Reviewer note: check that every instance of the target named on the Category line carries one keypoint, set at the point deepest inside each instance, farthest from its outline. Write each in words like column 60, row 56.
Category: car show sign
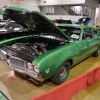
column 3, row 96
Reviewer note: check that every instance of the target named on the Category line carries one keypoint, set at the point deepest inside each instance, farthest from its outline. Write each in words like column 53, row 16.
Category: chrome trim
column 38, row 77
column 3, row 55
column 16, row 62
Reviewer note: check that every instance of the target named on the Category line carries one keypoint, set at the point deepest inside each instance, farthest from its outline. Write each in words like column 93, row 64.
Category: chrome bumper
column 20, row 66
column 38, row 78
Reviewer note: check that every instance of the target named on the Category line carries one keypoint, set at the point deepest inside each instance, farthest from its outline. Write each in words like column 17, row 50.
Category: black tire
column 58, row 78
column 96, row 53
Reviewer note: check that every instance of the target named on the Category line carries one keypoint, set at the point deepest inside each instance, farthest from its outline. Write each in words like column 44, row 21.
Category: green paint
column 2, row 10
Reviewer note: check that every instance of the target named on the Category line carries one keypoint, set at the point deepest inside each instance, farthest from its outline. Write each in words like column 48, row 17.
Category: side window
column 94, row 33
column 87, row 34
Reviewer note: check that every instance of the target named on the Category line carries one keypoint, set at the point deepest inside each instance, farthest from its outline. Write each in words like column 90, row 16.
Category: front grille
column 16, row 62
column 3, row 55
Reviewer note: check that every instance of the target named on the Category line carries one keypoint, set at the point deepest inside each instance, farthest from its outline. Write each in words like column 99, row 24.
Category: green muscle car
column 48, row 50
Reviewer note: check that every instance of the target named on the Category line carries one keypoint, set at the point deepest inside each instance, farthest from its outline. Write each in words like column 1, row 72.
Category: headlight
column 30, row 66
column 36, row 69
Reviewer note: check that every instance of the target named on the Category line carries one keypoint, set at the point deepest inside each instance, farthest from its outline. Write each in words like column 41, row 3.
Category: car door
column 85, row 46
column 91, row 41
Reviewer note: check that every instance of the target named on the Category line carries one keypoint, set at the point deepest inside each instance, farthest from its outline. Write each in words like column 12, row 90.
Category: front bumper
column 20, row 66
column 23, row 72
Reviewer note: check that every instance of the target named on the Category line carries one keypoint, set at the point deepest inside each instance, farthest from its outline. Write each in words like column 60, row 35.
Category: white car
column 11, row 26
column 2, row 23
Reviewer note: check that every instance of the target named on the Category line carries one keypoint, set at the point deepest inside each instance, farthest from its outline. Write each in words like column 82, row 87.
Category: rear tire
column 96, row 53
column 62, row 73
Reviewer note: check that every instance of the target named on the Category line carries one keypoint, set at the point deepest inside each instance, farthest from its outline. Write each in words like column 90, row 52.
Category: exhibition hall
column 50, row 50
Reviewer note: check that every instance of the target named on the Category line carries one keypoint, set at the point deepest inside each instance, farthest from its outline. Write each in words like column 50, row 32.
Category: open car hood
column 84, row 21
column 2, row 10
column 34, row 22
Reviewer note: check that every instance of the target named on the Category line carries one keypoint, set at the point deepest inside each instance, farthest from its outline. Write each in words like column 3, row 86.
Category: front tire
column 62, row 73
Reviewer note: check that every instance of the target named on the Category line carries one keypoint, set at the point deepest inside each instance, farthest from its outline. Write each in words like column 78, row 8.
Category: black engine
column 33, row 49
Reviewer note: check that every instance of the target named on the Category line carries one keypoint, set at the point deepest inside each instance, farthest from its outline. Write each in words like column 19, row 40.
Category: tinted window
column 94, row 33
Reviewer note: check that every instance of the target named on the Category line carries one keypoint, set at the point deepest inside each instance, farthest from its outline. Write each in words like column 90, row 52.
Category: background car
column 83, row 21
column 11, row 26
column 11, row 29
column 97, row 26
column 61, row 21
column 48, row 50
column 2, row 23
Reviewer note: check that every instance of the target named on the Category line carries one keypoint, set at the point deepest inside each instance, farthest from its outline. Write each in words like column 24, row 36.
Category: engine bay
column 34, row 47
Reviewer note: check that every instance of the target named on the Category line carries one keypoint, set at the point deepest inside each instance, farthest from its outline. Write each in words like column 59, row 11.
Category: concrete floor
column 16, row 87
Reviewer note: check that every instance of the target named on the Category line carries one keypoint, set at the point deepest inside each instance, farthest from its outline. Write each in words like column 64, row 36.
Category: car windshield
column 72, row 32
